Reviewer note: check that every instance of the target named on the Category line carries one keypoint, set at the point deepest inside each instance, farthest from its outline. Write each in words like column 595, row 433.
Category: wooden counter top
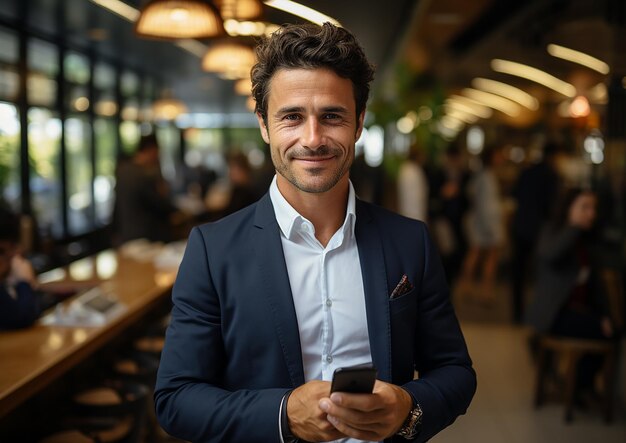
column 32, row 358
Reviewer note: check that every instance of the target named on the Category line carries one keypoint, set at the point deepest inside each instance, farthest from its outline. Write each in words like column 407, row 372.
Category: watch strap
column 412, row 424
column 288, row 437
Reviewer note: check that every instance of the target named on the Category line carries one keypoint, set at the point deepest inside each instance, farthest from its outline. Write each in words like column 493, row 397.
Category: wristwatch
column 412, row 424
column 288, row 437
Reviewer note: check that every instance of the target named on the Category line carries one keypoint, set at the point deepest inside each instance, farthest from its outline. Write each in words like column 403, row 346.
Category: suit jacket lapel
column 276, row 288
column 376, row 292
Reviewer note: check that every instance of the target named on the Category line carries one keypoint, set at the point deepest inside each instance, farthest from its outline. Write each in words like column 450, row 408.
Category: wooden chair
column 571, row 350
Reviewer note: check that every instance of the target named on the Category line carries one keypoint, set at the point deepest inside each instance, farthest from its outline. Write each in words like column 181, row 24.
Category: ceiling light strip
column 578, row 57
column 534, row 74
column 468, row 106
column 301, row 11
column 493, row 101
column 460, row 115
column 506, row 91
column 120, row 8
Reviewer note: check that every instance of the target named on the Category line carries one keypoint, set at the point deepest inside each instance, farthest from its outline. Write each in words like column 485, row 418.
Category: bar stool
column 141, row 367
column 112, row 412
column 153, row 339
column 151, row 344
column 138, row 367
column 571, row 350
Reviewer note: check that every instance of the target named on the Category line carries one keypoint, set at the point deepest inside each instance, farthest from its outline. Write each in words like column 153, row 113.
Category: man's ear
column 359, row 127
column 262, row 126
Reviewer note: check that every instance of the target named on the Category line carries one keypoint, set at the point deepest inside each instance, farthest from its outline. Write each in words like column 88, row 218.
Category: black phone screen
column 358, row 380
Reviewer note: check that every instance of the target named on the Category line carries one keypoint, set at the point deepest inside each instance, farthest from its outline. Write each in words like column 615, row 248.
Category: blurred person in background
column 240, row 178
column 413, row 187
column 569, row 297
column 143, row 208
column 485, row 228
column 448, row 209
column 19, row 302
column 535, row 193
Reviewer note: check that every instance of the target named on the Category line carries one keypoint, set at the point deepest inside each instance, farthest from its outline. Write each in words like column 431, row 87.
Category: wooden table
column 33, row 358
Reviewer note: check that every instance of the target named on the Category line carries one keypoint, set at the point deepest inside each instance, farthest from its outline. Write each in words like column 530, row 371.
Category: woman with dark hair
column 570, row 299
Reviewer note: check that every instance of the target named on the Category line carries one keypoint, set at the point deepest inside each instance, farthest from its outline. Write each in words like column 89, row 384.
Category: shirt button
column 329, row 359
column 329, row 302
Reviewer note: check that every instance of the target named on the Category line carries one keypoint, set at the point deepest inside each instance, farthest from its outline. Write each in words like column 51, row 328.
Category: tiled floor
column 502, row 410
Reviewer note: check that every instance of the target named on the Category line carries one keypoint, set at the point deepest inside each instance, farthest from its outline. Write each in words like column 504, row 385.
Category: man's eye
column 331, row 116
column 292, row 117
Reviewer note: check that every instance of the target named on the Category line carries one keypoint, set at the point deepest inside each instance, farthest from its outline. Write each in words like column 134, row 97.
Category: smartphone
column 355, row 379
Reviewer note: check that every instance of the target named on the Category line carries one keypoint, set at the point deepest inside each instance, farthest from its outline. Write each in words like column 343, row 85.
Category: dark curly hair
column 311, row 46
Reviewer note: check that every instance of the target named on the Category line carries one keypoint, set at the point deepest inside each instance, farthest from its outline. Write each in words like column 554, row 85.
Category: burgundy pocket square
column 402, row 287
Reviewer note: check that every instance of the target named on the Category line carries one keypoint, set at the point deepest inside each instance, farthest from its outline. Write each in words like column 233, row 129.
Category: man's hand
column 306, row 420
column 371, row 417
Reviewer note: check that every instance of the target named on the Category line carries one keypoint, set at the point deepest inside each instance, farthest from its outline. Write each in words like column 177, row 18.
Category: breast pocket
column 402, row 303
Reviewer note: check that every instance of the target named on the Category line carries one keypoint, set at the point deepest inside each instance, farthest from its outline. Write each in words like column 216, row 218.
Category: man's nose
column 312, row 136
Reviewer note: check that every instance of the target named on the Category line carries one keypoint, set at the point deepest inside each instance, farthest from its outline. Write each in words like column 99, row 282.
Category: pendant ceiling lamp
column 174, row 19
column 167, row 108
column 240, row 9
column 229, row 59
column 243, row 86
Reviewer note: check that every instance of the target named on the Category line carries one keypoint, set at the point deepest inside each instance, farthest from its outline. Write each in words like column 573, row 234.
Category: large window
column 10, row 190
column 43, row 67
column 10, row 155
column 77, row 116
column 78, row 145
column 79, row 176
column 44, row 139
column 104, row 183
column 106, row 137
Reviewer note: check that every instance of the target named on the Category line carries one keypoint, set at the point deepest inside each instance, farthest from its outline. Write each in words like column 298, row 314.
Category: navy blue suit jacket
column 233, row 350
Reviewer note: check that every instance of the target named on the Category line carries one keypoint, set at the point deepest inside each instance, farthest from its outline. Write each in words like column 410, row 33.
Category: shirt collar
column 290, row 220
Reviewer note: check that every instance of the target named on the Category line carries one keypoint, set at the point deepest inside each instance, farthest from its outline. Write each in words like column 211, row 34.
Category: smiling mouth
column 314, row 159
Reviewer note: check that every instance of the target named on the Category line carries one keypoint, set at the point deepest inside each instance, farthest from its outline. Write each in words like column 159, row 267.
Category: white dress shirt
column 327, row 289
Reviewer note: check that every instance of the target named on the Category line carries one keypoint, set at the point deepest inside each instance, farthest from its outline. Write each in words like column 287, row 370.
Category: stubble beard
column 282, row 167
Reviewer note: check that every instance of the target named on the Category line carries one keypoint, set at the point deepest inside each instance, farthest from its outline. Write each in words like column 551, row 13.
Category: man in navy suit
column 271, row 300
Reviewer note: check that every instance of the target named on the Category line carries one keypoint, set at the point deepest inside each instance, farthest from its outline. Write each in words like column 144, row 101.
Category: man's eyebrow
column 292, row 109
column 289, row 110
column 335, row 109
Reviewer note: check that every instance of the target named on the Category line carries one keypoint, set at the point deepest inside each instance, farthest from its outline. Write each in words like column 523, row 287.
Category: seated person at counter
column 19, row 303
